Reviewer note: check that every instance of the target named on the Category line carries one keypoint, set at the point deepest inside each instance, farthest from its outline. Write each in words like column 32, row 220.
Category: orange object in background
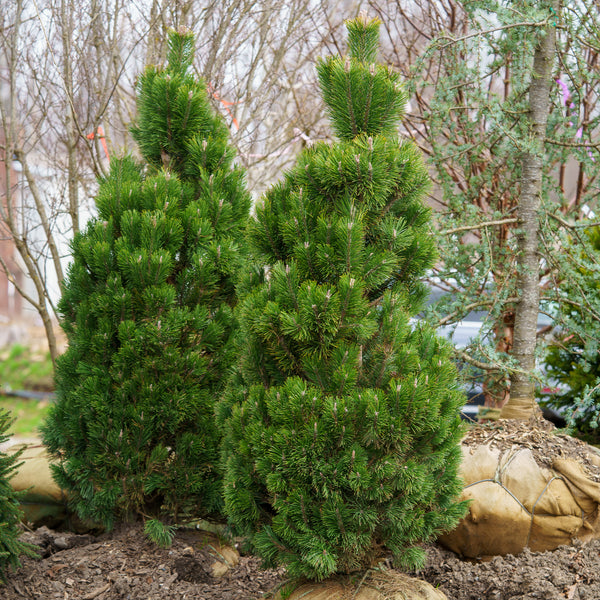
column 100, row 133
column 225, row 103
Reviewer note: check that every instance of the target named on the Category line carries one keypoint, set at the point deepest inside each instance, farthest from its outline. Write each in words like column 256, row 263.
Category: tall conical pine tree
column 343, row 424
column 147, row 309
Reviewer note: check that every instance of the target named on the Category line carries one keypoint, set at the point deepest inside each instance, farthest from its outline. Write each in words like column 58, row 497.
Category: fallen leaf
column 96, row 592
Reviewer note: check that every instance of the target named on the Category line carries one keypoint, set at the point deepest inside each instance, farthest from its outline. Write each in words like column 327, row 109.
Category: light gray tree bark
column 522, row 403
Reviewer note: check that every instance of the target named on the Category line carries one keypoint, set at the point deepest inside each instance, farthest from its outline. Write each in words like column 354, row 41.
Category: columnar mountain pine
column 147, row 309
column 343, row 423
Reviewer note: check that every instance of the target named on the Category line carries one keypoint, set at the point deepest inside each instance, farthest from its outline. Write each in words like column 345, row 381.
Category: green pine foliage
column 147, row 309
column 342, row 423
column 160, row 532
column 573, row 359
column 10, row 513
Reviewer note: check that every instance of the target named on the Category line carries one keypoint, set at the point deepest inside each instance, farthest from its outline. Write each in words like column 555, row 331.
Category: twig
column 566, row 223
column 479, row 225
column 360, row 584
column 473, row 361
column 452, row 40
column 568, row 144
column 95, row 593
column 468, row 308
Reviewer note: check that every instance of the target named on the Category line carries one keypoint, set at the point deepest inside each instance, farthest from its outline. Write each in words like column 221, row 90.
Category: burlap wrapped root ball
column 374, row 585
column 529, row 487
column 42, row 501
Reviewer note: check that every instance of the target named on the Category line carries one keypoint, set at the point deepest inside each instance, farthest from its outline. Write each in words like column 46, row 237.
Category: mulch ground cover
column 125, row 565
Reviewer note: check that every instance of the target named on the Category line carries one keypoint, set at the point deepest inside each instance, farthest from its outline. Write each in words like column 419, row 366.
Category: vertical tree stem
column 522, row 404
column 70, row 117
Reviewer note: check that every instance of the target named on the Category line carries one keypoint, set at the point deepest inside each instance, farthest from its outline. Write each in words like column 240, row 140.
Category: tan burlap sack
column 43, row 502
column 377, row 585
column 227, row 557
column 519, row 502
column 202, row 536
column 34, row 474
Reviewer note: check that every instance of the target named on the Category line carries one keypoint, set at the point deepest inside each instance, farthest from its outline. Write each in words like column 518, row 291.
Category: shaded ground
column 124, row 565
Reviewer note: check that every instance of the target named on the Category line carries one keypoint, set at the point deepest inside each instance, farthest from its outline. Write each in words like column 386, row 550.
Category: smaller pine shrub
column 10, row 513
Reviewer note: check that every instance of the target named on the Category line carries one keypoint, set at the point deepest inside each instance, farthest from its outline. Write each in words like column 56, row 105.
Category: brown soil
column 571, row 572
column 124, row 565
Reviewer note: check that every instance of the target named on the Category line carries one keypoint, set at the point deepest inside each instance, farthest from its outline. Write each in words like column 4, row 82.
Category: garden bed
column 125, row 565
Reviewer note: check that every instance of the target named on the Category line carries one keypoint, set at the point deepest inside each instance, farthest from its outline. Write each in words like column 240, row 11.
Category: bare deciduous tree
column 68, row 82
column 62, row 65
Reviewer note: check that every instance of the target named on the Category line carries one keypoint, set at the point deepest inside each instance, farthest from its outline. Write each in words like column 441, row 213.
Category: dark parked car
column 461, row 334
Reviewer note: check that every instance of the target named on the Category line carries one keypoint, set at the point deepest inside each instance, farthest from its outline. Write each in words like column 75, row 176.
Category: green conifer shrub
column 10, row 513
column 147, row 309
column 342, row 423
column 573, row 359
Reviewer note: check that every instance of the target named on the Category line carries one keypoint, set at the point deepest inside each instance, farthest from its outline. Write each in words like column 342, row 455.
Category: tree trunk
column 522, row 404
column 70, row 116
